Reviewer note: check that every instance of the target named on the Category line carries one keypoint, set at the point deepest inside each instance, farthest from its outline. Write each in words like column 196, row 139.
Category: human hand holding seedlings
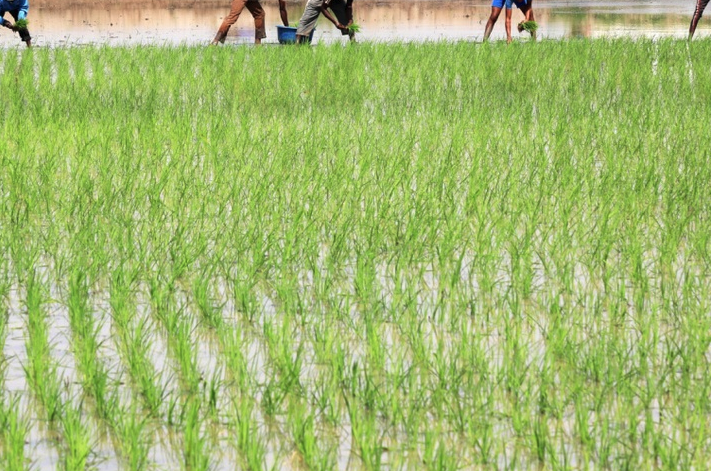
column 352, row 28
column 529, row 21
column 338, row 12
column 18, row 9
column 331, row 18
column 529, row 26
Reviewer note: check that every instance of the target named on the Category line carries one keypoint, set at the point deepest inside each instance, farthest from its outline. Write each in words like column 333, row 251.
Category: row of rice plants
column 383, row 255
column 14, row 425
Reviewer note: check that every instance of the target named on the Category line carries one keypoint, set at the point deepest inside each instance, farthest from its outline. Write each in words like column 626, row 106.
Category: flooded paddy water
column 192, row 282
column 119, row 22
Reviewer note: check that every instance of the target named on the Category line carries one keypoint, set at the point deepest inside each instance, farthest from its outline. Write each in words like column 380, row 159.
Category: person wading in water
column 255, row 8
column 343, row 9
column 526, row 7
column 19, row 10
column 698, row 13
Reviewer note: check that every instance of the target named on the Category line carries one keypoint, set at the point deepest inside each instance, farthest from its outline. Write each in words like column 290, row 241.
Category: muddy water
column 118, row 22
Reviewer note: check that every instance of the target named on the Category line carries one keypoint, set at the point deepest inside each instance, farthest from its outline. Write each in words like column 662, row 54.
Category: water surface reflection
column 173, row 22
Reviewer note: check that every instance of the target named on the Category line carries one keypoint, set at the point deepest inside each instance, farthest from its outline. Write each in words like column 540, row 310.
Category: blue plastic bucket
column 287, row 34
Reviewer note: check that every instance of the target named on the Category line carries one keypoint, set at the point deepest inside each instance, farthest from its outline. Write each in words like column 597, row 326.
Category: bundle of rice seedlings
column 530, row 26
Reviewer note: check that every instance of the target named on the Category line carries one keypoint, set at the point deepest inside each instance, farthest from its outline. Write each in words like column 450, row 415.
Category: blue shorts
column 509, row 3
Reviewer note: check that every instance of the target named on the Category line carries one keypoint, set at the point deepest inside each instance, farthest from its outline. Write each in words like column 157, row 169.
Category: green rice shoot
column 420, row 273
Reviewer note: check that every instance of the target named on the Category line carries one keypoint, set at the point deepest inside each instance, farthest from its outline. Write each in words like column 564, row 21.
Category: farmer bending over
column 343, row 9
column 526, row 7
column 698, row 12
column 18, row 9
column 255, row 8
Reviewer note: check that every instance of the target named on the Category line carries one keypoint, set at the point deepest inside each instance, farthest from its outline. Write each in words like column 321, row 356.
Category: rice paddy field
column 433, row 256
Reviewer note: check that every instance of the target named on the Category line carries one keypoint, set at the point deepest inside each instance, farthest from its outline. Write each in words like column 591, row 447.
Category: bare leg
column 492, row 21
column 528, row 11
column 698, row 13
column 508, row 25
